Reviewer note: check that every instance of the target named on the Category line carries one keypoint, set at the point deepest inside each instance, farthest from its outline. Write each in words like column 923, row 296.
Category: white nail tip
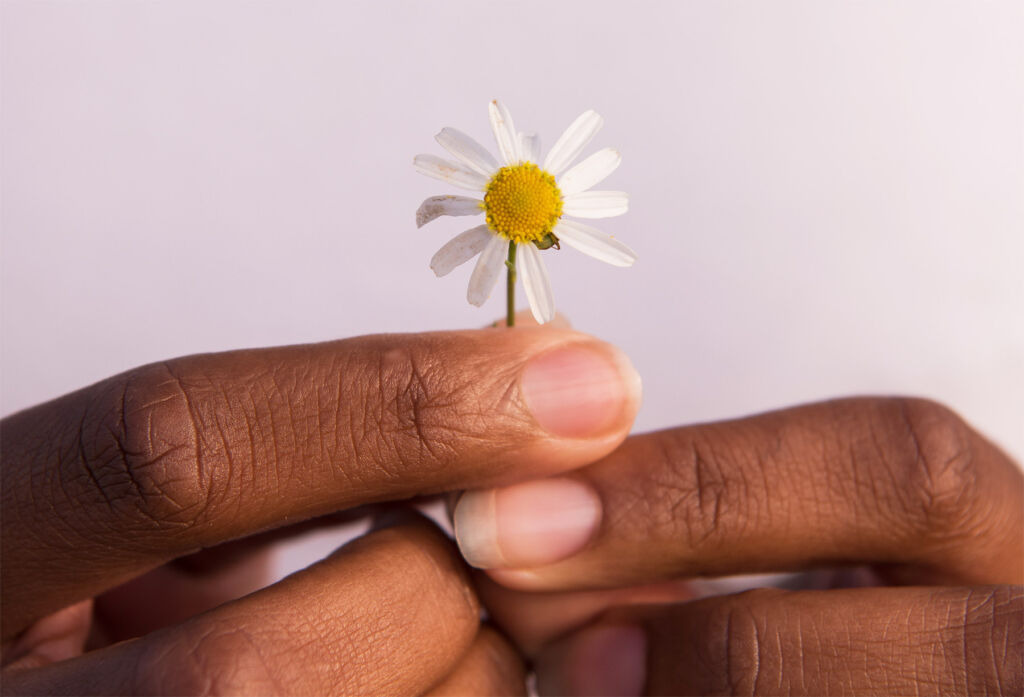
column 476, row 529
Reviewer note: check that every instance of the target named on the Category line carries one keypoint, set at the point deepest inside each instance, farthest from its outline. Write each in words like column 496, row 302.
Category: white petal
column 436, row 206
column 596, row 204
column 536, row 283
column 529, row 147
column 569, row 146
column 460, row 249
column 451, row 172
column 467, row 151
column 504, row 132
column 589, row 172
column 488, row 268
column 595, row 243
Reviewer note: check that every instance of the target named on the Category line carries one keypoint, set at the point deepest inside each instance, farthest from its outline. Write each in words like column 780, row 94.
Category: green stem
column 510, row 317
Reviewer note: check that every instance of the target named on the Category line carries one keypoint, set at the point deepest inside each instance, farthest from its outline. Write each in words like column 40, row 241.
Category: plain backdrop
column 827, row 198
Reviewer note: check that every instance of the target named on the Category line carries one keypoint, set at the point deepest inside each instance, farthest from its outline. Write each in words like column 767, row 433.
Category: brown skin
column 902, row 486
column 325, row 630
column 110, row 494
column 491, row 666
column 128, row 475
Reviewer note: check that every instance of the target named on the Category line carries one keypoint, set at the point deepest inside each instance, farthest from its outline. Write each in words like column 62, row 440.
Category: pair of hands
column 582, row 531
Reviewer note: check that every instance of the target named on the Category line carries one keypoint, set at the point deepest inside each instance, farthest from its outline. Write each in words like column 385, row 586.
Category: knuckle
column 737, row 641
column 429, row 564
column 138, row 447
column 409, row 410
column 692, row 493
column 935, row 463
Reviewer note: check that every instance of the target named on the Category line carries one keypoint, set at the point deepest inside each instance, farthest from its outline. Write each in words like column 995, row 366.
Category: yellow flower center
column 522, row 203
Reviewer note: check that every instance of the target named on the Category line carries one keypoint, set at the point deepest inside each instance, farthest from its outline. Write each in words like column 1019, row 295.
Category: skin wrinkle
column 767, row 461
column 676, row 489
column 87, row 466
column 710, row 480
column 395, row 385
column 756, row 652
column 800, row 652
column 776, row 638
column 965, row 668
column 744, row 645
column 229, row 460
column 878, row 642
column 281, row 399
column 114, row 463
column 322, row 455
column 1003, row 655
column 892, row 505
column 283, row 430
column 275, row 442
column 293, row 380
column 736, row 460
column 758, row 496
column 417, row 397
column 250, row 427
column 196, row 427
column 941, row 470
column 711, row 486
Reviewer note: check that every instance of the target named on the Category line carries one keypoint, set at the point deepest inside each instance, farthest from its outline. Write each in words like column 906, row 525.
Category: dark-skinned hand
column 111, row 495
column 912, row 501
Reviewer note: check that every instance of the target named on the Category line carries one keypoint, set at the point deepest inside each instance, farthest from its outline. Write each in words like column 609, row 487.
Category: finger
column 898, row 482
column 490, row 667
column 57, row 637
column 128, row 611
column 198, row 582
column 533, row 619
column 941, row 641
column 164, row 460
column 390, row 613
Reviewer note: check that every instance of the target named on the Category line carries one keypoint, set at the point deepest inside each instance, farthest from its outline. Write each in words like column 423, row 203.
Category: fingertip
column 525, row 525
column 475, row 521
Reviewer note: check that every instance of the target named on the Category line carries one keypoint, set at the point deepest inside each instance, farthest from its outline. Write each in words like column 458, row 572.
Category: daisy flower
column 523, row 200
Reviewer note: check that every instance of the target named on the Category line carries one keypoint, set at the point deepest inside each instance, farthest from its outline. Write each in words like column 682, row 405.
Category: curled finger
column 390, row 613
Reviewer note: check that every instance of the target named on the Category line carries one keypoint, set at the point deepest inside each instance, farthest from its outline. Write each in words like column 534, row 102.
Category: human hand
column 112, row 481
column 901, row 485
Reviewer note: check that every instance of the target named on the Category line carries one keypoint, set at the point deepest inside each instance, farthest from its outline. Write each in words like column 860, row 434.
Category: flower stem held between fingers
column 523, row 198
column 510, row 320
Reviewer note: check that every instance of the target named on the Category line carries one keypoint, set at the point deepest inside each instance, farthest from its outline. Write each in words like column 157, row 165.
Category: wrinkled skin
column 135, row 514
column 922, row 517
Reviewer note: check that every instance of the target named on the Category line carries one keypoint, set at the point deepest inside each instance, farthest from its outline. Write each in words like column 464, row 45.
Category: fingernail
column 575, row 391
column 525, row 525
column 609, row 660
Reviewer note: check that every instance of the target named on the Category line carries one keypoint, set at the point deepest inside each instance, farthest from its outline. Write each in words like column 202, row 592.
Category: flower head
column 523, row 203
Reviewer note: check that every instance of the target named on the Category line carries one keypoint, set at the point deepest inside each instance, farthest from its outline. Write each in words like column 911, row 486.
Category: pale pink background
column 827, row 198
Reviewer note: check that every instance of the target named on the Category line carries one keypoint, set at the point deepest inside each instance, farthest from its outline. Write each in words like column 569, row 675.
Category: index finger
column 903, row 483
column 122, row 476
